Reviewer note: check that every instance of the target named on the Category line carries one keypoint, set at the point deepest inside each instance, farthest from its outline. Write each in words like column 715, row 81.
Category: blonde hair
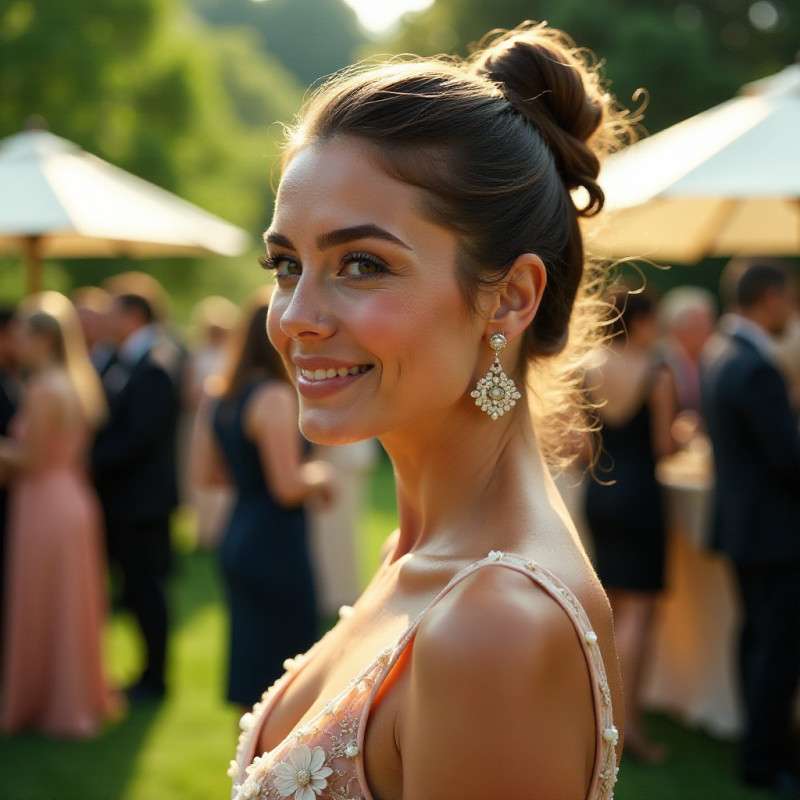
column 53, row 313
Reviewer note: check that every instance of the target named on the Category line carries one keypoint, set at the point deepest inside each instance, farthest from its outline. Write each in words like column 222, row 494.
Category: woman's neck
column 453, row 483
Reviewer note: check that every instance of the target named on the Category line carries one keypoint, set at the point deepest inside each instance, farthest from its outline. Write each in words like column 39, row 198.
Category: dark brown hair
column 744, row 281
column 497, row 142
column 252, row 354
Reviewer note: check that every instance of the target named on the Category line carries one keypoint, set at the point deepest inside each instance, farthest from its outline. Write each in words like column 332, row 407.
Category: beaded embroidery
column 323, row 758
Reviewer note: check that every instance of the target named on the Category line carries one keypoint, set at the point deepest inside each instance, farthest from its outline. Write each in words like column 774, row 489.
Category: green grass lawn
column 180, row 750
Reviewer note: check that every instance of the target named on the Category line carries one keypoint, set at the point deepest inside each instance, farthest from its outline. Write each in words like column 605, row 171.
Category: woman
column 637, row 403
column 426, row 249
column 213, row 321
column 53, row 678
column 252, row 437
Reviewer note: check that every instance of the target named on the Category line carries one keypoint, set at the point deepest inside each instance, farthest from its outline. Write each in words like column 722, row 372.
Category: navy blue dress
column 626, row 518
column 265, row 564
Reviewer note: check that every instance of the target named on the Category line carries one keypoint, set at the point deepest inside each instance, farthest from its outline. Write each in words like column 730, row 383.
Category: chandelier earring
column 496, row 393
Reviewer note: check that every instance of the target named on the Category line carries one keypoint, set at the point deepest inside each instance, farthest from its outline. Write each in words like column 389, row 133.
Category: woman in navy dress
column 249, row 437
column 636, row 401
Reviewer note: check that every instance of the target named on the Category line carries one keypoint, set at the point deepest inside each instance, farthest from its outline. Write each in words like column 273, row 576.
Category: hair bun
column 547, row 79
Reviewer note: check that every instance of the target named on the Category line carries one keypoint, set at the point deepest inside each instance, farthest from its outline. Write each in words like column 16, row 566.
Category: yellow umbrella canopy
column 58, row 201
column 723, row 183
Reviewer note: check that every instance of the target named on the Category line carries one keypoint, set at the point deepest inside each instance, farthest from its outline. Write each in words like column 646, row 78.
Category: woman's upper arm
column 271, row 422
column 207, row 466
column 663, row 409
column 500, row 702
column 43, row 411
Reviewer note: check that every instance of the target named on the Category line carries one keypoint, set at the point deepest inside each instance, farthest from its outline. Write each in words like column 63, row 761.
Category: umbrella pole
column 33, row 261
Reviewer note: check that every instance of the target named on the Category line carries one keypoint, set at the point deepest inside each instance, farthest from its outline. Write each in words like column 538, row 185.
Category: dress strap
column 604, row 775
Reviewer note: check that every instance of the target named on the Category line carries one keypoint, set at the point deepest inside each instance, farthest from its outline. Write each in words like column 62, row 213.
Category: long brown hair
column 251, row 354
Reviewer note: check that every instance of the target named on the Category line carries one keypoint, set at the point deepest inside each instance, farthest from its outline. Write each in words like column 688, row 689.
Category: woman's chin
column 322, row 429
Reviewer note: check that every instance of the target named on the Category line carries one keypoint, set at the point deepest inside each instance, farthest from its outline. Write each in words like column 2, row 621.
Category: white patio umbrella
column 723, row 183
column 58, row 201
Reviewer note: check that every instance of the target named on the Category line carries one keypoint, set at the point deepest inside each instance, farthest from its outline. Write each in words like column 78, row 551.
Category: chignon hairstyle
column 52, row 314
column 497, row 142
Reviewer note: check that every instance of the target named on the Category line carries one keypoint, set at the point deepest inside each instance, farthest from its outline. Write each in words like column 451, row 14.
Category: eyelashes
column 349, row 268
column 268, row 262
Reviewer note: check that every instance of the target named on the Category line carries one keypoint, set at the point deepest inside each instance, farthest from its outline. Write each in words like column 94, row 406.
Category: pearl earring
column 496, row 393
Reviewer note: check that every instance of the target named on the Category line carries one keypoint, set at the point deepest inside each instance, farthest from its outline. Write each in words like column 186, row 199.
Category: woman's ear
column 519, row 295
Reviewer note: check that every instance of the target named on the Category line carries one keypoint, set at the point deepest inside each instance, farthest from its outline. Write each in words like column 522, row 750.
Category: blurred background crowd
column 111, row 421
column 145, row 420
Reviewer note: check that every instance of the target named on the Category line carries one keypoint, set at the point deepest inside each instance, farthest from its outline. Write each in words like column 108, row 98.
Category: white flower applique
column 305, row 776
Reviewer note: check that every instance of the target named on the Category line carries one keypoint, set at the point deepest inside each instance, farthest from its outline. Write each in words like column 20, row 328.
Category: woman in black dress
column 248, row 435
column 635, row 399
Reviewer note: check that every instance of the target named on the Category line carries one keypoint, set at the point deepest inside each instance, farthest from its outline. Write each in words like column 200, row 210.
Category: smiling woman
column 426, row 250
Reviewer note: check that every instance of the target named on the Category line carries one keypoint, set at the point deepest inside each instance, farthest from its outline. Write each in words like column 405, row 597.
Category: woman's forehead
column 342, row 180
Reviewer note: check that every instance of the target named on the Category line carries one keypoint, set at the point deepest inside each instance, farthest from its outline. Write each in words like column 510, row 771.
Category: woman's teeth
column 322, row 374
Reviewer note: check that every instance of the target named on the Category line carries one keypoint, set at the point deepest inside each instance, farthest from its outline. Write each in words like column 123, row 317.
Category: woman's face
column 367, row 314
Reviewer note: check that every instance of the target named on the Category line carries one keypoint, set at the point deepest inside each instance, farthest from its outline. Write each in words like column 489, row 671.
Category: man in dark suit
column 9, row 396
column 134, row 466
column 757, row 508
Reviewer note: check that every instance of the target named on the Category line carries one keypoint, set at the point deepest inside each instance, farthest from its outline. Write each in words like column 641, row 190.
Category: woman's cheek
column 277, row 337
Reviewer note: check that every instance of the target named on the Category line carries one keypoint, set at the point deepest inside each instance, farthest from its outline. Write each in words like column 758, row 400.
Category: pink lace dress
column 324, row 757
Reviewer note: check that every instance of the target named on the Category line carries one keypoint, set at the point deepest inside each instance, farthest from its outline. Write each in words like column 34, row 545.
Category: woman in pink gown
column 52, row 677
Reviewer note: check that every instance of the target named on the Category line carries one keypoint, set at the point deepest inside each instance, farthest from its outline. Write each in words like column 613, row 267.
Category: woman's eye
column 359, row 265
column 281, row 266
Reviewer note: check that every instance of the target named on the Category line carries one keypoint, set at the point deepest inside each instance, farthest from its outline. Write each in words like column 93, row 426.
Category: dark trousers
column 142, row 552
column 769, row 663
column 3, row 513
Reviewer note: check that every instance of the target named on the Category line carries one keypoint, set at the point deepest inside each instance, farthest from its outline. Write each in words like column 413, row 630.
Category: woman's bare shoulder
column 498, row 677
column 273, row 402
column 497, row 612
column 272, row 393
column 52, row 389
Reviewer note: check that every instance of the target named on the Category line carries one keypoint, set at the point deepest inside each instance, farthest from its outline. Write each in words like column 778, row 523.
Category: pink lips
column 321, row 378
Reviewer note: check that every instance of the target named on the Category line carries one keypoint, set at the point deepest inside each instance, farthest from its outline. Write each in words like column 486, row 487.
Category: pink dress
column 52, row 679
column 324, row 758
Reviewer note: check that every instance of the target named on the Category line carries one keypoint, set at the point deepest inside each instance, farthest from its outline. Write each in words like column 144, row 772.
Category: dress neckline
column 604, row 773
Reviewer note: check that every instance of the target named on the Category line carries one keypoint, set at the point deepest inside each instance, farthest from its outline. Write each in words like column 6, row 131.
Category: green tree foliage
column 687, row 54
column 152, row 88
column 312, row 38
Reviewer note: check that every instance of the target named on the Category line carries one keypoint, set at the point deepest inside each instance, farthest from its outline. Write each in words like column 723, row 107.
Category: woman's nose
column 305, row 314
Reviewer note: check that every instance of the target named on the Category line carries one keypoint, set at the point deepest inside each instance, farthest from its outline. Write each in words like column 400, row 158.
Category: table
column 692, row 672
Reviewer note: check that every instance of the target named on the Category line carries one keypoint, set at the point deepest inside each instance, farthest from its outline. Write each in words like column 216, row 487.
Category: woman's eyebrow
column 340, row 236
column 271, row 237
column 344, row 235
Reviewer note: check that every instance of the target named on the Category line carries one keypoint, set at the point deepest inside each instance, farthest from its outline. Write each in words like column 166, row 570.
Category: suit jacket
column 8, row 400
column 8, row 407
column 756, row 446
column 133, row 457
